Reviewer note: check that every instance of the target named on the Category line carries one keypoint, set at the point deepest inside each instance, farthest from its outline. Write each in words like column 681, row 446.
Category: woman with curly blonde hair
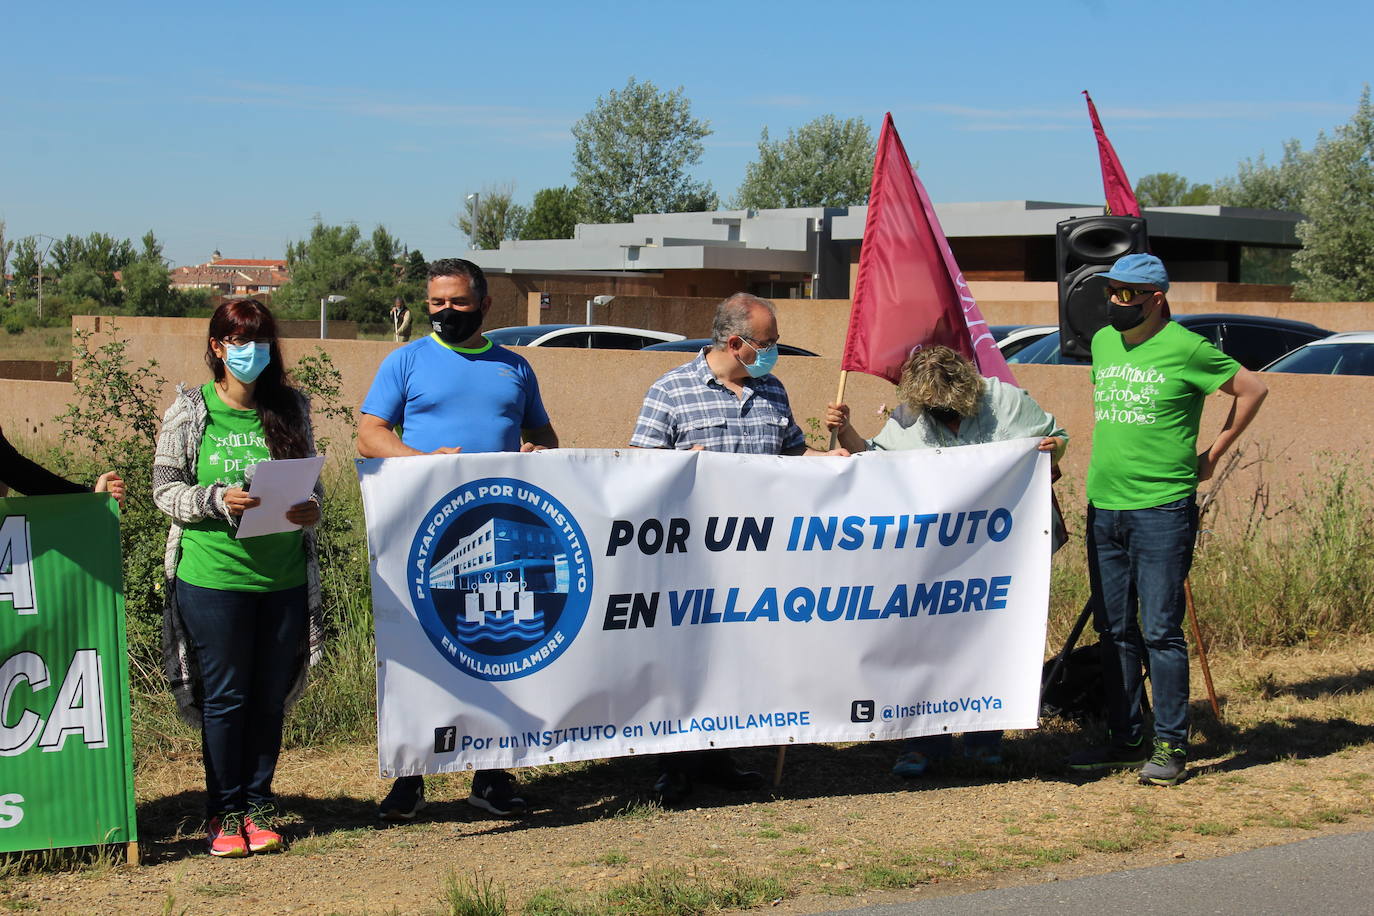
column 945, row 402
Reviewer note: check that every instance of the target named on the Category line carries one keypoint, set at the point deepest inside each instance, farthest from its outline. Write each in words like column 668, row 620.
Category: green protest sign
column 67, row 773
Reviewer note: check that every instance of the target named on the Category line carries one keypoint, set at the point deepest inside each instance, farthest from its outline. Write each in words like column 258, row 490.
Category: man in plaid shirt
column 725, row 400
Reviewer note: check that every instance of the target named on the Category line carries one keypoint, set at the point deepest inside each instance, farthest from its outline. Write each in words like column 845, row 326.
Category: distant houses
column 233, row 276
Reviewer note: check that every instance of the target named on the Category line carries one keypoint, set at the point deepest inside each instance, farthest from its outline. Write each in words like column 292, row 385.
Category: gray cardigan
column 176, row 493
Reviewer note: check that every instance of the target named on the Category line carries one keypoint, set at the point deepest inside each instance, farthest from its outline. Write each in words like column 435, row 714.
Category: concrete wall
column 594, row 396
column 134, row 326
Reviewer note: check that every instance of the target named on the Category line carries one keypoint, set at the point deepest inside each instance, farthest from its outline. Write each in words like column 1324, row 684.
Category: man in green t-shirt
column 1151, row 377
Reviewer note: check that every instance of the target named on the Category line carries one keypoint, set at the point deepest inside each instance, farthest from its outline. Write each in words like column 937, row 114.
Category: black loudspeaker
column 1085, row 248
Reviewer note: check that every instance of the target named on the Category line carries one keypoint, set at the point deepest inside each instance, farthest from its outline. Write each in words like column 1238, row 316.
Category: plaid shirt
column 689, row 407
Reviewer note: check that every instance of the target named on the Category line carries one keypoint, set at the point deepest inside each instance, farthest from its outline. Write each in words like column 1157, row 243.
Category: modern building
column 814, row 251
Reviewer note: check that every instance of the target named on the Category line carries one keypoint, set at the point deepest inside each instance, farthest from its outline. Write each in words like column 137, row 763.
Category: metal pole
column 476, row 199
column 589, row 312
column 323, row 300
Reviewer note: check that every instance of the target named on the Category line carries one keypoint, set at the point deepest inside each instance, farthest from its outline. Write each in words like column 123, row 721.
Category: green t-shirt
column 211, row 556
column 1148, row 401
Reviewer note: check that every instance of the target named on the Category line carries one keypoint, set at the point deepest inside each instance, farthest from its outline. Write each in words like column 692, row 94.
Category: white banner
column 577, row 604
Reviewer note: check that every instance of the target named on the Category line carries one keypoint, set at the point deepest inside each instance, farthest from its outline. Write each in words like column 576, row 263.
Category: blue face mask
column 764, row 360
column 246, row 361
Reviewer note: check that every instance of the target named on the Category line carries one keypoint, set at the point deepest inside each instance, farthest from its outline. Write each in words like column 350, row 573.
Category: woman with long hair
column 242, row 619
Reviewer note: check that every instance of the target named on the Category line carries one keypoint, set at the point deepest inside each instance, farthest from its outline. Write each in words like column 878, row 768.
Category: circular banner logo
column 500, row 578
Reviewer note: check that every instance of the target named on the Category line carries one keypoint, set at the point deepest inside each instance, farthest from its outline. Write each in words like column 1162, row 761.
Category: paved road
column 1328, row 875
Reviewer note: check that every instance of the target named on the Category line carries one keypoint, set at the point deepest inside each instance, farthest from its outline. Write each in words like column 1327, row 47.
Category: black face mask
column 943, row 414
column 454, row 326
column 1125, row 317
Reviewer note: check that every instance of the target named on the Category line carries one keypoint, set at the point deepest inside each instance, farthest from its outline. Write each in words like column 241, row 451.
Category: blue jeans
column 247, row 646
column 1137, row 560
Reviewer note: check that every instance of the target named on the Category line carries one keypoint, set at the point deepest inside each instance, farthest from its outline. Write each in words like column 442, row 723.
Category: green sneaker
column 1166, row 765
column 1114, row 756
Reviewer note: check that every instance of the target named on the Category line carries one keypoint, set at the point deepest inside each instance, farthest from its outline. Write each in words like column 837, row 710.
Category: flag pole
column 839, row 399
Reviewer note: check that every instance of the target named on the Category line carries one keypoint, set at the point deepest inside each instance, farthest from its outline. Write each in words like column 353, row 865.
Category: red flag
column 1115, row 184
column 909, row 292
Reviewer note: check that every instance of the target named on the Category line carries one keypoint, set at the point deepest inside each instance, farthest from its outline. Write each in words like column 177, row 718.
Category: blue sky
column 230, row 125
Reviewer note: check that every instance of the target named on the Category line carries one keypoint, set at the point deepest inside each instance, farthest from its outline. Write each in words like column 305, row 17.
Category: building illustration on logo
column 502, row 578
column 500, row 568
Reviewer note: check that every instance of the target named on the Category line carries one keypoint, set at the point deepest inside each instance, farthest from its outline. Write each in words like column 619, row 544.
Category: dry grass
column 1292, row 758
column 53, row 344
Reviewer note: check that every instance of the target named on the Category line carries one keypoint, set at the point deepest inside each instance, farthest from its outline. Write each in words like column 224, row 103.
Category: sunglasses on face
column 1125, row 293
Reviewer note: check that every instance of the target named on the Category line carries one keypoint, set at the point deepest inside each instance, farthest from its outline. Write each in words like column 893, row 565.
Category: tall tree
column 824, row 163
column 25, row 264
column 1170, row 189
column 102, row 253
column 328, row 263
column 384, row 253
column 6, row 247
column 1263, row 186
column 491, row 215
column 1337, row 256
column 147, row 289
column 553, row 215
column 417, row 269
column 634, row 151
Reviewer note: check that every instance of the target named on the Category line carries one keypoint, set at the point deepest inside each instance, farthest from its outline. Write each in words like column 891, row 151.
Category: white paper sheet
column 280, row 485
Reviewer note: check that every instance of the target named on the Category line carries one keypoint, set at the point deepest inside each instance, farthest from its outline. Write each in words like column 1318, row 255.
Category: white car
column 1013, row 338
column 579, row 336
column 1347, row 353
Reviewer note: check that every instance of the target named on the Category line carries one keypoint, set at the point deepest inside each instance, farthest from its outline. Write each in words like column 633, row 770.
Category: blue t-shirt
column 441, row 396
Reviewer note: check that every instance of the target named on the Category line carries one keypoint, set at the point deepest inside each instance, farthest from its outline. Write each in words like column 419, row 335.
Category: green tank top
column 211, row 556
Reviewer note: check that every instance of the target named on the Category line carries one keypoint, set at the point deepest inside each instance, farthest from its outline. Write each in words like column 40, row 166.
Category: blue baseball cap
column 1145, row 269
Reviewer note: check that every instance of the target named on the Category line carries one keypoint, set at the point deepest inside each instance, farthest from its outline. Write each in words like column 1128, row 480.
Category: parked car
column 694, row 345
column 1254, row 341
column 1347, row 353
column 578, row 336
column 1013, row 338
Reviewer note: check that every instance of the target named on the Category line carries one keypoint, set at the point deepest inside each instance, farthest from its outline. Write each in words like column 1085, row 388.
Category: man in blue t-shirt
column 454, row 391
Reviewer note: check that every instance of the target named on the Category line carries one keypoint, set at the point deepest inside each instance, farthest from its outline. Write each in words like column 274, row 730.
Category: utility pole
column 41, row 257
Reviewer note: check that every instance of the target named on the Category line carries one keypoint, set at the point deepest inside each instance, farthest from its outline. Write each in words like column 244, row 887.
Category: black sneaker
column 672, row 788
column 1115, row 756
column 404, row 801
column 718, row 769
column 1166, row 766
column 494, row 791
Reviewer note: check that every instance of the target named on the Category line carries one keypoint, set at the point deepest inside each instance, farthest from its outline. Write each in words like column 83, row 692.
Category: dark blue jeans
column 1137, row 560
column 247, row 645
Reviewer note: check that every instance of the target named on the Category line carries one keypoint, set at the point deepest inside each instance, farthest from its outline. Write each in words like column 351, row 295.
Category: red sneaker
column 225, row 838
column 257, row 827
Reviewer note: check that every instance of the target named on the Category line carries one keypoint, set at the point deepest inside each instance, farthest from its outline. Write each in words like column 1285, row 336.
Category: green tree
column 338, row 261
column 25, row 264
column 553, row 215
column 6, row 247
column 1337, row 256
column 1262, row 186
column 102, row 253
column 328, row 263
column 634, row 151
column 147, row 283
column 417, row 268
column 491, row 215
column 384, row 255
column 1170, row 189
column 824, row 163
